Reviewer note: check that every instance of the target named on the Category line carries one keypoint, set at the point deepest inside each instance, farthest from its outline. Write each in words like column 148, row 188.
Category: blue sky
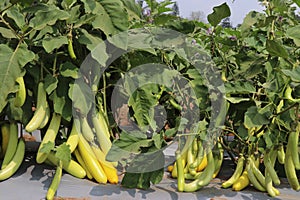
column 239, row 8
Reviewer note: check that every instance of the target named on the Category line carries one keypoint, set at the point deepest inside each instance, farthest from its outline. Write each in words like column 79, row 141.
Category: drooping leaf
column 219, row 12
column 11, row 63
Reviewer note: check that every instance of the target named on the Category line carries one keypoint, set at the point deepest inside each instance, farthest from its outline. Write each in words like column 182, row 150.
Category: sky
column 239, row 8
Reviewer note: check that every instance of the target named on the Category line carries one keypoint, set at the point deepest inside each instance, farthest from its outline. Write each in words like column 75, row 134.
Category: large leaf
column 91, row 41
column 62, row 102
column 142, row 102
column 250, row 19
column 253, row 118
column 114, row 14
column 11, row 63
column 239, row 87
column 63, row 152
column 142, row 180
column 68, row 69
column 276, row 49
column 50, row 83
column 51, row 43
column 294, row 33
column 82, row 96
column 293, row 74
column 67, row 4
column 47, row 16
column 15, row 14
column 219, row 12
column 7, row 33
column 133, row 9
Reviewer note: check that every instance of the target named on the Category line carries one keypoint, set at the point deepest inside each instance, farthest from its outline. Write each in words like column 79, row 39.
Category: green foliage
column 63, row 152
column 257, row 60
column 220, row 12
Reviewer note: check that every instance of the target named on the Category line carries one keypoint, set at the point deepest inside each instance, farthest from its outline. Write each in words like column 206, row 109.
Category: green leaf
column 251, row 18
column 85, row 19
column 133, row 9
column 50, row 83
column 47, row 16
column 11, row 63
column 136, row 180
column 294, row 33
column 237, row 99
column 23, row 2
column 15, row 113
column 63, row 152
column 239, row 87
column 131, row 143
column 113, row 13
column 279, row 6
column 293, row 74
column 47, row 147
column 81, row 96
column 7, row 33
column 51, row 43
column 16, row 14
column 276, row 49
column 254, row 119
column 62, row 102
column 68, row 69
column 140, row 40
column 157, row 176
column 142, row 180
column 170, row 132
column 89, row 6
column 219, row 12
column 127, row 144
column 142, row 102
column 67, row 4
column 147, row 161
column 91, row 42
column 158, row 140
